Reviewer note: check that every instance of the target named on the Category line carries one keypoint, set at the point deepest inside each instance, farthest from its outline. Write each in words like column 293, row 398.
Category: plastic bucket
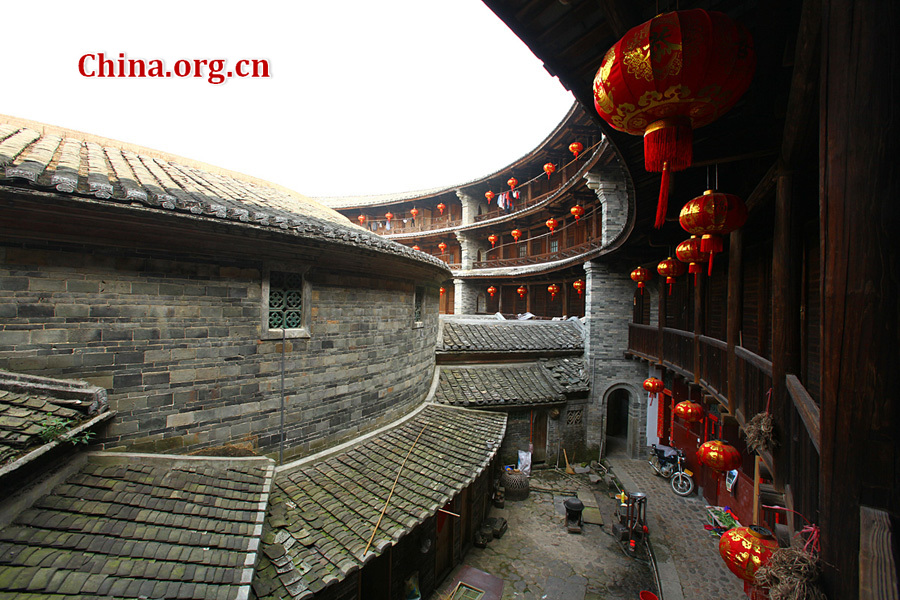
column 647, row 596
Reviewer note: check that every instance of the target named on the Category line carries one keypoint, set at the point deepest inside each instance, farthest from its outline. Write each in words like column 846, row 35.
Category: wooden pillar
column 528, row 298
column 860, row 221
column 698, row 322
column 785, row 318
column 734, row 313
column 661, row 319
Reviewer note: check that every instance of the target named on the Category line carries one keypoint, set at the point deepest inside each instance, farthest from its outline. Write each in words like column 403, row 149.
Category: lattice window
column 285, row 300
column 554, row 245
column 420, row 295
column 573, row 417
column 523, row 250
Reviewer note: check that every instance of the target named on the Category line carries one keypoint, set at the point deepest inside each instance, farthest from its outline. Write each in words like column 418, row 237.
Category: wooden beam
column 806, row 407
column 763, row 188
column 734, row 313
column 877, row 564
column 621, row 15
column 799, row 123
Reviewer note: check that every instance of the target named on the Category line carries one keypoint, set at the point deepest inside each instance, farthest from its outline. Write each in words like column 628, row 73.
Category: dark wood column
column 860, row 224
column 734, row 316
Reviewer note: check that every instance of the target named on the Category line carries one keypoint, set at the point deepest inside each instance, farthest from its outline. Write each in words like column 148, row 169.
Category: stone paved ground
column 539, row 560
column 678, row 537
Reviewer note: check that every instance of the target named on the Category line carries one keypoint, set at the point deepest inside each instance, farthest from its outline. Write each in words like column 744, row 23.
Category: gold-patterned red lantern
column 746, row 549
column 522, row 290
column 577, row 211
column 442, row 246
column 493, row 239
column 489, row 195
column 654, row 387
column 678, row 71
column 670, row 269
column 416, row 247
column 442, row 290
column 578, row 284
column 553, row 289
column 712, row 215
column 512, row 182
column 689, row 411
column 719, row 456
column 575, row 148
column 549, row 169
column 388, row 216
column 361, row 219
column 639, row 276
column 516, row 234
column 689, row 251
column 492, row 290
column 414, row 212
column 441, row 206
column 551, row 224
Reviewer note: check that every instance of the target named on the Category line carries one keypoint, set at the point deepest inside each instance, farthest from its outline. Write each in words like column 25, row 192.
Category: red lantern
column 442, row 246
column 719, row 456
column 712, row 215
column 414, row 211
column 489, row 195
column 670, row 269
column 579, row 286
column 522, row 290
column 516, row 234
column 654, row 386
column 442, row 290
column 676, row 72
column 388, row 216
column 493, row 239
column 575, row 148
column 361, row 219
column 441, row 206
column 577, row 211
column 549, row 169
column 746, row 549
column 513, row 182
column 640, row 275
column 551, row 224
column 689, row 411
column 416, row 247
column 689, row 251
column 492, row 290
column 553, row 289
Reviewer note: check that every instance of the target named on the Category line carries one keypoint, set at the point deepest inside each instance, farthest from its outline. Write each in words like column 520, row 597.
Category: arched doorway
column 618, row 426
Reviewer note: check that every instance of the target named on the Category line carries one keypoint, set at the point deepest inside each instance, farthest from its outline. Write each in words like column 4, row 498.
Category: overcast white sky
column 364, row 97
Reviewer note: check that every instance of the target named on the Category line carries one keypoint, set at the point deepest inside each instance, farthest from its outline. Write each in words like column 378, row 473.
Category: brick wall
column 608, row 308
column 176, row 341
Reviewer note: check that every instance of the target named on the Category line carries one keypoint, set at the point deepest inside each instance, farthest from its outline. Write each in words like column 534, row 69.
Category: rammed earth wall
column 176, row 341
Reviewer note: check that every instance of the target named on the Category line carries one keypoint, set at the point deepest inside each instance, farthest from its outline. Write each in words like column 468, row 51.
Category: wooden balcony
column 535, row 259
column 707, row 362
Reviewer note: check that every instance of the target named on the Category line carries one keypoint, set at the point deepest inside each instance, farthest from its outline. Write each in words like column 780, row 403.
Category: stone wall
column 177, row 343
column 608, row 309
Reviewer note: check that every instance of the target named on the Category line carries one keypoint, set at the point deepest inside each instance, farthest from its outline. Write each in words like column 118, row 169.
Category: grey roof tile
column 66, row 546
column 322, row 514
column 510, row 336
column 522, row 384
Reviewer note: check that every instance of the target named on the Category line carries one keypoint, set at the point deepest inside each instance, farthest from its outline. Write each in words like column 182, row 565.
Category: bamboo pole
column 390, row 495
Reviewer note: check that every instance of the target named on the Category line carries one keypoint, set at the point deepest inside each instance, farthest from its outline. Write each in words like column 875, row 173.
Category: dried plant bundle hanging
column 791, row 574
column 760, row 432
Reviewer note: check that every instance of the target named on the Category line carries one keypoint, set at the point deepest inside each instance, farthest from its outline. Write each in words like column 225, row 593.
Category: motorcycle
column 669, row 463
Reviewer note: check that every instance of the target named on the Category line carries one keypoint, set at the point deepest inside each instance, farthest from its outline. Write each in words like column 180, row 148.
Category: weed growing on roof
column 54, row 427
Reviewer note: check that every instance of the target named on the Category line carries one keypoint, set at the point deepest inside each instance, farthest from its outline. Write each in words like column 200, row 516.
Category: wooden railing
column 678, row 350
column 532, row 259
column 714, row 365
column 643, row 340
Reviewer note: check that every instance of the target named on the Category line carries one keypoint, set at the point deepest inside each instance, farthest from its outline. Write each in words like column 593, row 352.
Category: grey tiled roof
column 569, row 372
column 508, row 385
column 24, row 416
column 132, row 526
column 322, row 513
column 81, row 165
column 510, row 336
